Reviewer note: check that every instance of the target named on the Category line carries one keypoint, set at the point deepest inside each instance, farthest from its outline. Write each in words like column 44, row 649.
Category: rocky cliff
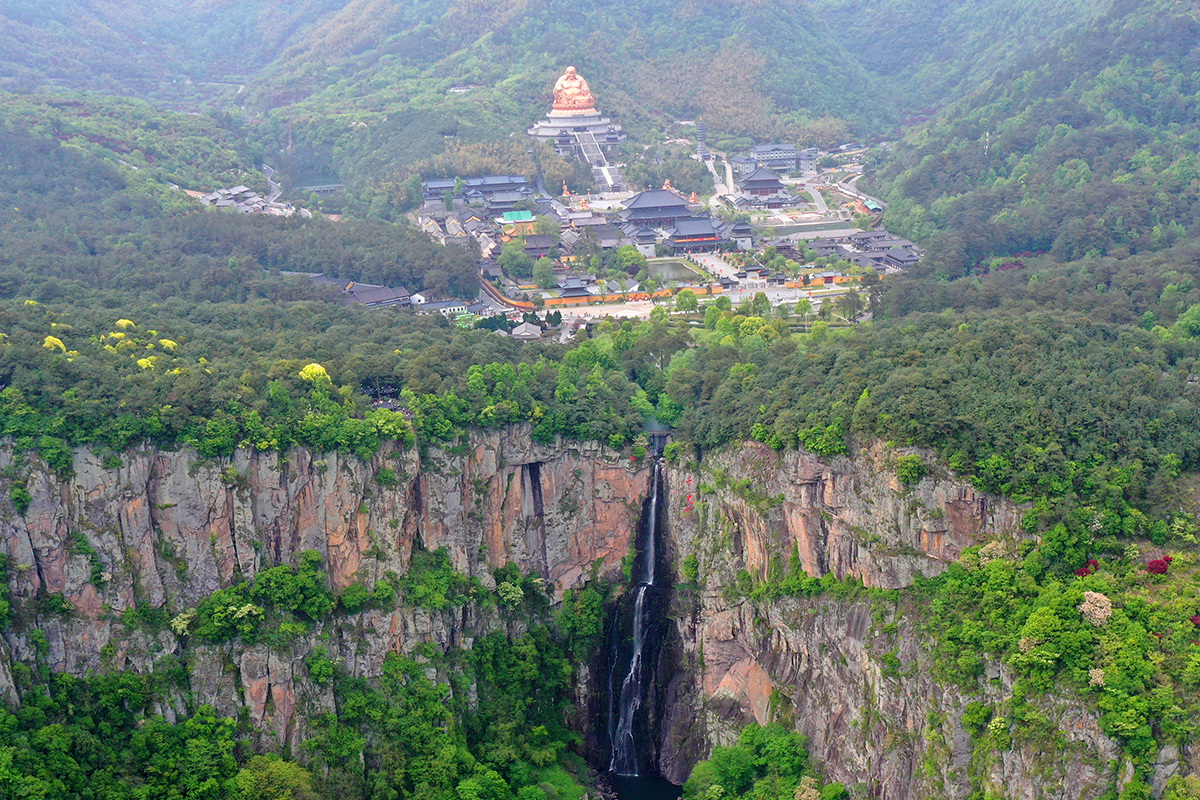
column 853, row 670
column 165, row 529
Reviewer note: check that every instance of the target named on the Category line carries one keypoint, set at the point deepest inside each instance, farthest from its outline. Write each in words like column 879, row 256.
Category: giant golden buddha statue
column 571, row 93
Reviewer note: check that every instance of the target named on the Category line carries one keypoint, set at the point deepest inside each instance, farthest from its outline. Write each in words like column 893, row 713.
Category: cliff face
column 846, row 516
column 854, row 675
column 169, row 529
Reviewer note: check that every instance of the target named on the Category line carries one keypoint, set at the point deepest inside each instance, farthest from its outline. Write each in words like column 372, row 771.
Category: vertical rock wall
column 854, row 674
column 166, row 529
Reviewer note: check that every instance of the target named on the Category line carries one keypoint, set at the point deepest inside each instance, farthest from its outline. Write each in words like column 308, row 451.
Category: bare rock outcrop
column 167, row 528
column 855, row 675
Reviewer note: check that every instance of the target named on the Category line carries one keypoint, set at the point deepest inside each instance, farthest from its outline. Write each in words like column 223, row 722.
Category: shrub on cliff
column 910, row 469
column 432, row 582
column 581, row 616
column 300, row 590
column 227, row 613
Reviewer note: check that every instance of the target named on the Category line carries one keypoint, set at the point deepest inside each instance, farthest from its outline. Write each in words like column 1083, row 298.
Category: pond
column 672, row 270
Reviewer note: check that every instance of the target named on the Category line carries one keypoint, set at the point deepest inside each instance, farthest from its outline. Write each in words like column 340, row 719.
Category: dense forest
column 73, row 220
column 1085, row 151
column 492, row 726
column 941, row 51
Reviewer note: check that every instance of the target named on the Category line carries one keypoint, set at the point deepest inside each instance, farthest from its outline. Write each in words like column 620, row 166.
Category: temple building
column 578, row 130
column 661, row 217
column 763, row 189
column 761, row 183
column 655, row 208
column 694, row 233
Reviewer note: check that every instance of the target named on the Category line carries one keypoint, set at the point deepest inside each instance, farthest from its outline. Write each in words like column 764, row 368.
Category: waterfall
column 626, row 731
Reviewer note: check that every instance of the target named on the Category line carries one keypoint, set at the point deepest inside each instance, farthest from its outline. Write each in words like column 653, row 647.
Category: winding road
column 275, row 188
column 850, row 187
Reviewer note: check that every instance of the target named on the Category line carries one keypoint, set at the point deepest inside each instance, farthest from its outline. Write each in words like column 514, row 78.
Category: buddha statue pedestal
column 578, row 130
column 574, row 112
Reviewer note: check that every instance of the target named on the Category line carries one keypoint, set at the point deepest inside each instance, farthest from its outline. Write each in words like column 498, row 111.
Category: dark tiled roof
column 767, row 148
column 655, row 198
column 372, row 295
column 539, row 241
column 902, row 256
column 694, row 226
column 761, row 178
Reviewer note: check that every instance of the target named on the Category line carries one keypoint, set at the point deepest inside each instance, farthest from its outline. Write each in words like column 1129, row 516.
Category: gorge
column 849, row 668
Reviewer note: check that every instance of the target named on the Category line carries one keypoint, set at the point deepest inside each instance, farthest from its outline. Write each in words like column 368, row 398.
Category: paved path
column 718, row 186
column 714, row 264
column 275, row 188
column 818, row 200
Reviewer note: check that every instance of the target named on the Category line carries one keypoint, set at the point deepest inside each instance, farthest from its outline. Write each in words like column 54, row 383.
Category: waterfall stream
column 628, row 688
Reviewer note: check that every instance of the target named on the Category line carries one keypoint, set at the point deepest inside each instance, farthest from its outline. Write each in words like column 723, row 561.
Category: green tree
column 270, row 778
column 543, row 273
column 910, row 469
column 1188, row 323
column 760, row 306
column 804, row 308
column 686, row 301
column 514, row 260
column 628, row 259
column 547, row 225
column 850, row 304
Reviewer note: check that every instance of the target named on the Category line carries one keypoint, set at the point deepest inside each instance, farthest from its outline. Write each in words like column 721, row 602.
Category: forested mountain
column 367, row 88
column 180, row 54
column 929, row 53
column 359, row 89
column 1083, row 151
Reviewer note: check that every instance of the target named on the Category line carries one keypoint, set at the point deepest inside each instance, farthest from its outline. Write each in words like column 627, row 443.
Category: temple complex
column 578, row 130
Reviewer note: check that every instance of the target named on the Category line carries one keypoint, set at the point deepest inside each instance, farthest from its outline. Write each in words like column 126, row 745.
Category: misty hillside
column 358, row 89
column 1087, row 150
column 932, row 51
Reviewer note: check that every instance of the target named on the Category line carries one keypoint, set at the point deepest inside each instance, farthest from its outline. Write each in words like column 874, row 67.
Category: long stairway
column 607, row 177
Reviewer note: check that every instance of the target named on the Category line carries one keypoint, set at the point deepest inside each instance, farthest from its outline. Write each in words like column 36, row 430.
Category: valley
column 600, row 402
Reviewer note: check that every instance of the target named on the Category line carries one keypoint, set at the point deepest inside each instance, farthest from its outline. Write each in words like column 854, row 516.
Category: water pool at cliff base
column 645, row 787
